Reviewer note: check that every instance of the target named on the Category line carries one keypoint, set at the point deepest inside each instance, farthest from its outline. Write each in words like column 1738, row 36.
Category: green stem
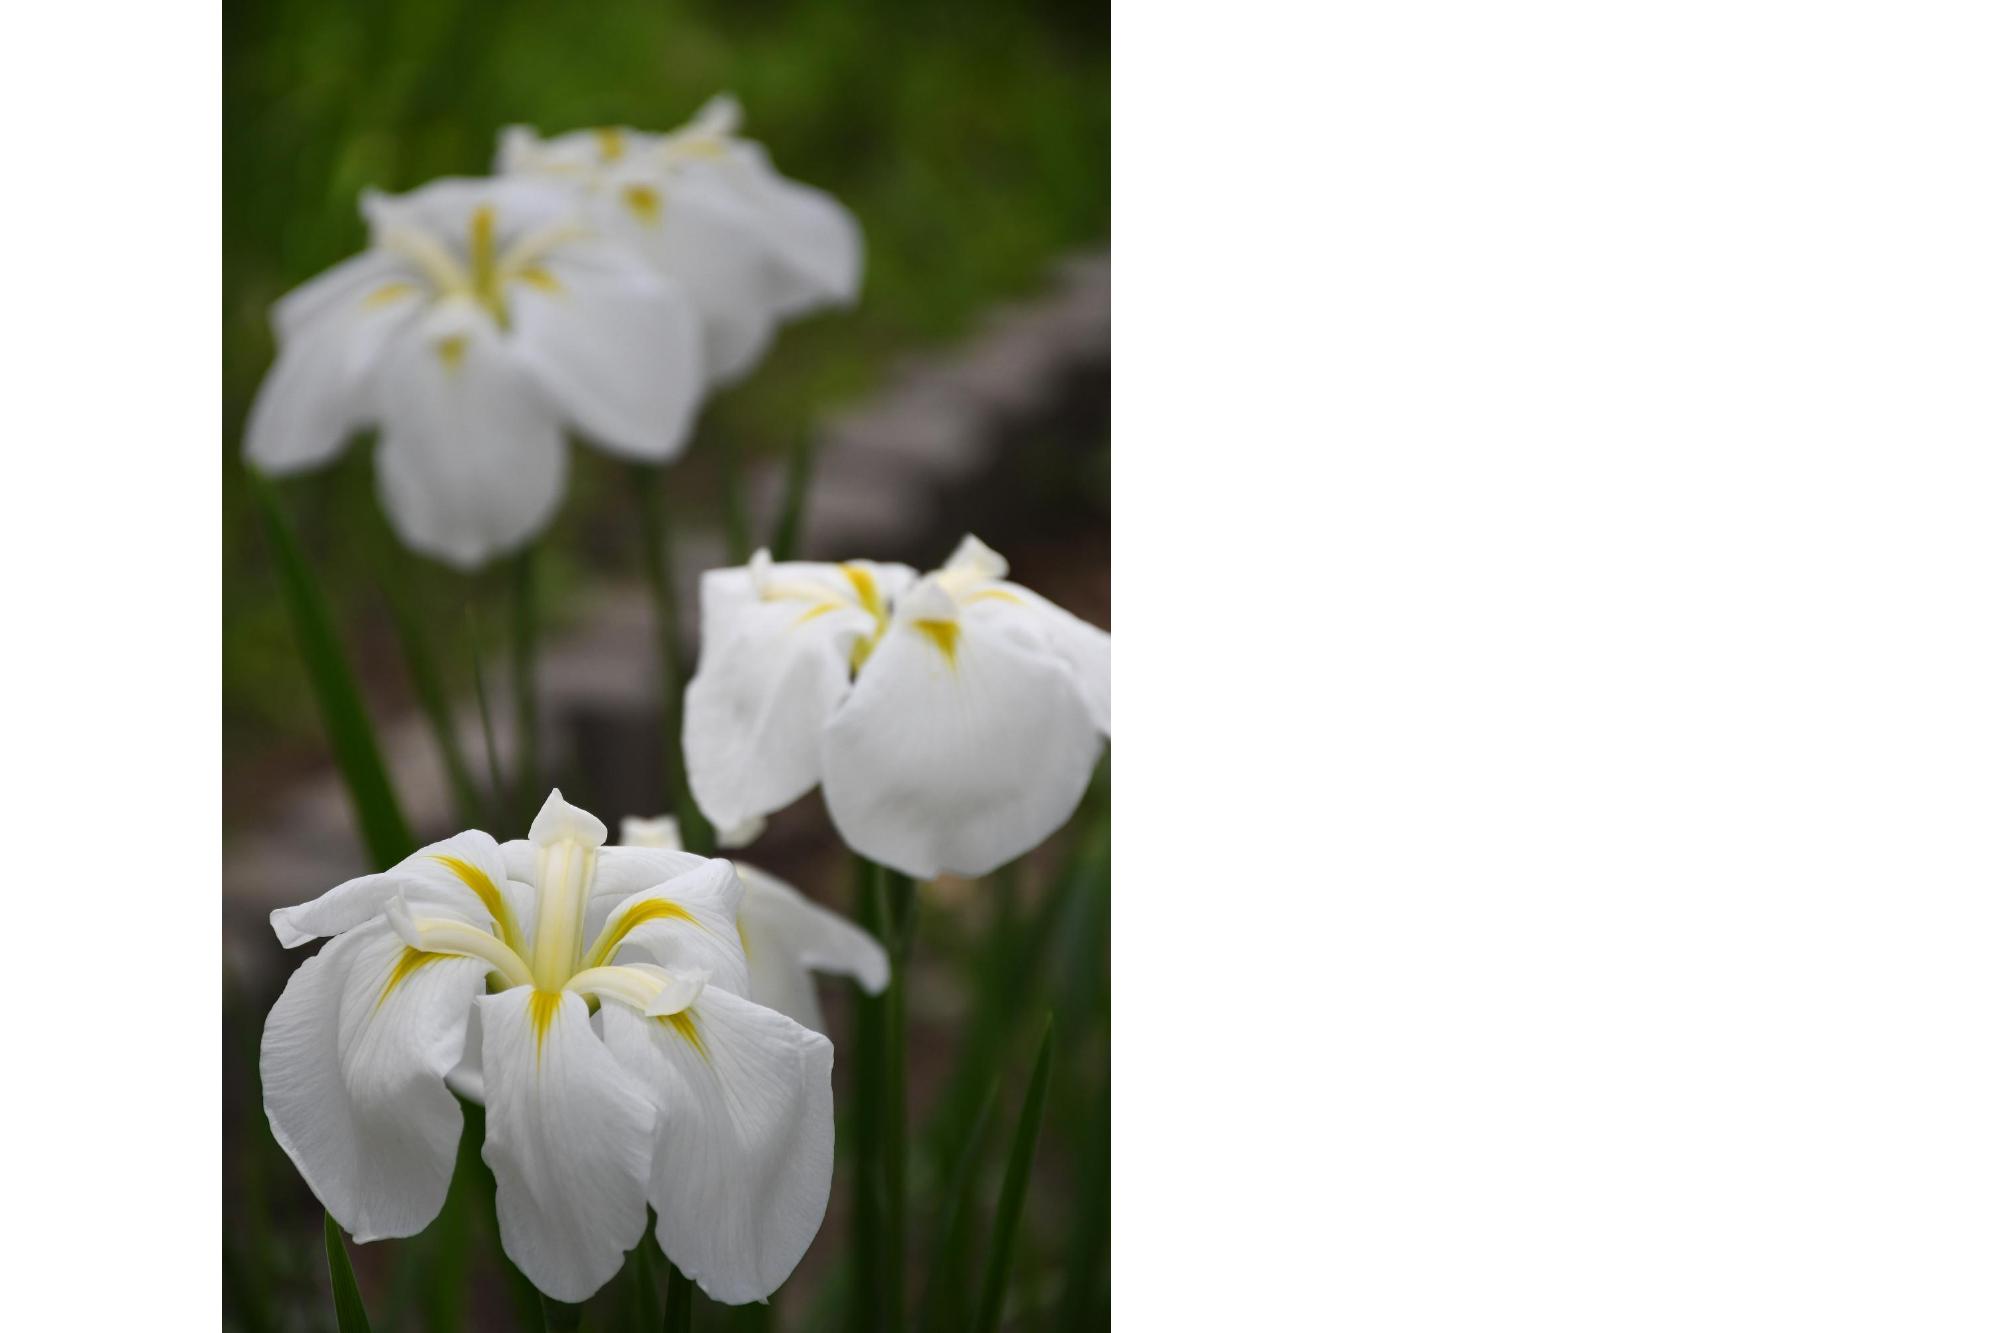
column 496, row 784
column 792, row 510
column 657, row 553
column 527, row 760
column 680, row 1299
column 735, row 511
column 888, row 909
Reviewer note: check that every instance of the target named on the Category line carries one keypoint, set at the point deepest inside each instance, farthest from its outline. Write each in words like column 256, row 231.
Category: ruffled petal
column 332, row 333
column 686, row 923
column 960, row 747
column 569, row 1137
column 463, row 876
column 744, row 1145
column 615, row 346
column 777, row 650
column 354, row 1058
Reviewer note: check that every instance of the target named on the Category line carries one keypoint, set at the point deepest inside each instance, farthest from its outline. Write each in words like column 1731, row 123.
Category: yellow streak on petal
column 818, row 611
column 943, row 635
column 540, row 278
column 863, row 580
column 451, row 351
column 610, row 143
column 388, row 294
column 683, row 1023
column 542, row 1008
column 489, row 897
column 742, row 939
column 406, row 963
column 615, row 931
column 995, row 595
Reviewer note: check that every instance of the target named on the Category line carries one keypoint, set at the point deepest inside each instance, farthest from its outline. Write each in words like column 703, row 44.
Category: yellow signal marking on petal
column 486, row 264
column 451, row 351
column 489, row 897
column 743, row 939
column 539, row 278
column 388, row 294
column 610, row 143
column 543, row 1006
column 865, row 588
column 995, row 595
column 644, row 201
column 683, row 1023
column 822, row 609
column 406, row 963
column 653, row 909
column 943, row 635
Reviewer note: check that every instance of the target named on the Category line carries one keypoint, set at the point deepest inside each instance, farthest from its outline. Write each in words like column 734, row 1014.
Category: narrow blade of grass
column 560, row 1316
column 348, row 730
column 792, row 510
column 498, row 784
column 433, row 698
column 865, row 1314
column 1014, row 1189
column 735, row 509
column 943, row 1306
column 348, row 1312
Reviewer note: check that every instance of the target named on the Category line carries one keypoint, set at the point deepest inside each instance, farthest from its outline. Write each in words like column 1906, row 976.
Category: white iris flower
column 603, row 990
column 786, row 935
column 708, row 208
column 484, row 318
column 953, row 720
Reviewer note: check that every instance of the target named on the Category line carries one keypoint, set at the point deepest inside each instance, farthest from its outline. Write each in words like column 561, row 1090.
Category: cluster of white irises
column 640, row 1022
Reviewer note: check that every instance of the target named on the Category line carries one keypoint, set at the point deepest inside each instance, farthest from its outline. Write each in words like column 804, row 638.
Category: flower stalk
column 656, row 552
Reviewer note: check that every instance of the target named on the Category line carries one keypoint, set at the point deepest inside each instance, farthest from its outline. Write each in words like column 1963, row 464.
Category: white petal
column 615, row 346
column 427, row 879
column 687, row 922
column 961, row 759
column 1082, row 646
column 568, row 1135
column 559, row 821
column 787, row 937
column 745, row 1137
column 472, row 462
column 818, row 239
column 662, row 832
column 774, row 663
column 353, row 1069
column 332, row 333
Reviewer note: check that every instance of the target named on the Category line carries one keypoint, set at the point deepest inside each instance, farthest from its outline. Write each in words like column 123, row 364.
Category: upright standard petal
column 569, row 1137
column 354, row 1058
column 787, row 937
column 744, row 1153
column 960, row 748
column 472, row 461
column 615, row 346
column 778, row 643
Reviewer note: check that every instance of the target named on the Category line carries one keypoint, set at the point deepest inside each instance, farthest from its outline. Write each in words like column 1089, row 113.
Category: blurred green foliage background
column 972, row 139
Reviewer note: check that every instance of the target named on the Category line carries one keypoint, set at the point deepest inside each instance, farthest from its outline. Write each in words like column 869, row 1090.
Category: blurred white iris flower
column 786, row 936
column 707, row 207
column 953, row 720
column 594, row 998
column 485, row 318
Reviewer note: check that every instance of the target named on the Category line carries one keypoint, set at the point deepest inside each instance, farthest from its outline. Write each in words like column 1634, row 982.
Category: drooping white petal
column 472, row 461
column 687, row 922
column 463, row 876
column 1082, row 646
column 569, row 1138
column 354, row 1058
column 778, row 643
column 960, row 746
column 744, row 1154
column 615, row 346
column 817, row 239
column 787, row 937
column 332, row 333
